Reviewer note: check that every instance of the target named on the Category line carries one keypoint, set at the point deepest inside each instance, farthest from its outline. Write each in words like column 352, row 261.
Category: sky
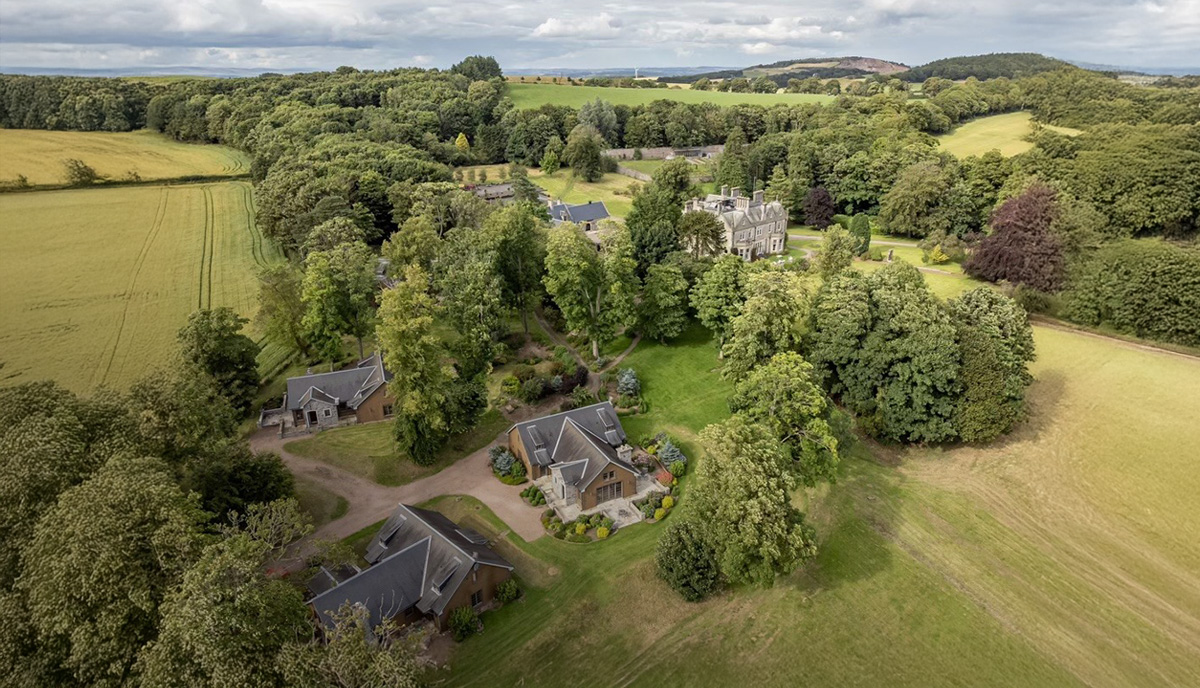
column 376, row 34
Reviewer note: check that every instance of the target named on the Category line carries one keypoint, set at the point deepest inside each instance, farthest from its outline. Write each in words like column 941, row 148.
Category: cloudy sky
column 280, row 34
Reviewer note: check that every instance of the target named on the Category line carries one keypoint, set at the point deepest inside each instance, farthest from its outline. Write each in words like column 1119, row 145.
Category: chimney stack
column 735, row 192
column 758, row 197
column 725, row 191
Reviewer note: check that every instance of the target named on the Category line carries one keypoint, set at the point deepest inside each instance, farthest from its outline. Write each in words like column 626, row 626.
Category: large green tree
column 339, row 286
column 103, row 559
column 352, row 656
column 837, row 252
column 719, row 294
column 594, row 290
column 280, row 308
column 701, row 233
column 212, row 342
column 687, row 560
column 519, row 241
column 771, row 321
column 743, row 495
column 783, row 395
column 663, row 309
column 585, row 146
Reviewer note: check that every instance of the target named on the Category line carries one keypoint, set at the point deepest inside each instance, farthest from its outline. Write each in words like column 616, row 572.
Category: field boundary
column 7, row 187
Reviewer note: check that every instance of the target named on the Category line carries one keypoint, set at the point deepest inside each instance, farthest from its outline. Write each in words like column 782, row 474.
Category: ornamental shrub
column 602, row 533
column 533, row 389
column 668, row 502
column 628, row 383
column 464, row 622
column 510, row 385
column 517, row 470
column 647, row 510
column 507, row 591
column 660, row 514
column 502, row 460
column 580, row 528
column 668, row 453
column 555, row 384
column 677, row 468
column 523, row 372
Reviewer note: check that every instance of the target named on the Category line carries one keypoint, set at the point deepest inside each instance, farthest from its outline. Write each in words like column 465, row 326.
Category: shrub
column 582, row 396
column 628, row 383
column 664, row 477
column 464, row 622
column 578, row 538
column 677, row 468
column 517, row 470
column 548, row 514
column 876, row 254
column 668, row 453
column 502, row 460
column 556, row 367
column 510, row 385
column 555, row 384
column 660, row 514
column 580, row 528
column 668, row 502
column 523, row 371
column 687, row 561
column 507, row 591
column 533, row 389
column 647, row 510
column 79, row 173
column 602, row 533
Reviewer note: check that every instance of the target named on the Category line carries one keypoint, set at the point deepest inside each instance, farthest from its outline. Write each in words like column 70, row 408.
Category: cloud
column 600, row 26
column 279, row 34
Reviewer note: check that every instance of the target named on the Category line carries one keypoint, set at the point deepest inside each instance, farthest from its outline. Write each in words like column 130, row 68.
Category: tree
column 584, row 149
column 227, row 621
column 701, row 233
column 338, row 289
column 280, row 310
column 818, row 208
column 837, row 252
column 719, row 294
column 524, row 191
column 781, row 188
column 733, row 167
column 771, row 321
column 783, row 395
column 79, row 173
column 103, row 559
column 230, row 477
column 333, row 233
column 520, row 250
column 1021, row 248
column 743, row 494
column 601, row 116
column 860, row 229
column 664, row 303
column 213, row 344
column 912, row 206
column 420, row 377
column 415, row 243
column 594, row 290
column 351, row 656
column 687, row 561
column 462, row 144
column 471, row 294
column 180, row 416
column 550, row 162
column 478, row 68
column 652, row 245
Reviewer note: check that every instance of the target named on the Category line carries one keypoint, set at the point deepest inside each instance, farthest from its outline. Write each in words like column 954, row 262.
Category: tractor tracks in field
column 110, row 353
column 256, row 237
column 207, row 248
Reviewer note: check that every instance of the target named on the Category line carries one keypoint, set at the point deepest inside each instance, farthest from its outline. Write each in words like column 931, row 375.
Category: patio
column 621, row 510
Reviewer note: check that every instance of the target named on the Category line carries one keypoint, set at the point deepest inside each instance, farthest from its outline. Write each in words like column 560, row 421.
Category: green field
column 565, row 186
column 645, row 166
column 98, row 281
column 1005, row 133
column 536, row 95
column 39, row 155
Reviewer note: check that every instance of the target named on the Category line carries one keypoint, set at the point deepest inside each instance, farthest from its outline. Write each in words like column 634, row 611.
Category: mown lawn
column 565, row 186
column 367, row 450
column 321, row 505
column 1005, row 133
column 39, row 155
column 526, row 96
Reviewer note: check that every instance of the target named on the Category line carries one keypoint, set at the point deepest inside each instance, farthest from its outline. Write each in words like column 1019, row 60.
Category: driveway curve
column 370, row 502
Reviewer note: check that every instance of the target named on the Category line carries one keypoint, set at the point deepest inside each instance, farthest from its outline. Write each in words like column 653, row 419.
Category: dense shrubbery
column 687, row 561
column 464, row 623
column 1149, row 288
column 507, row 591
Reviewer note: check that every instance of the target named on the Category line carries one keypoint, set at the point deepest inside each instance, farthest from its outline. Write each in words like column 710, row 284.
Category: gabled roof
column 579, row 443
column 350, row 387
column 587, row 212
column 419, row 558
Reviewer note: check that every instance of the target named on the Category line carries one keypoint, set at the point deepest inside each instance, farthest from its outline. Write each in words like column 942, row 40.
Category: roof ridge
column 560, row 413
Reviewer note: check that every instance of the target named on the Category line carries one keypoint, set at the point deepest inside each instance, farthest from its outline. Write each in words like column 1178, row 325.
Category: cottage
column 587, row 215
column 422, row 566
column 584, row 452
column 502, row 193
column 326, row 400
column 753, row 227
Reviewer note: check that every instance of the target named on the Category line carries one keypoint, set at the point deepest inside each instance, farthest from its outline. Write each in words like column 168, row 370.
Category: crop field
column 1064, row 555
column 1005, row 133
column 536, row 95
column 98, row 281
column 39, row 155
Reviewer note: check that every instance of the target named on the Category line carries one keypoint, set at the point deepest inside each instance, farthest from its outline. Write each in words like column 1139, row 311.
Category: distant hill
column 579, row 73
column 991, row 66
column 780, row 72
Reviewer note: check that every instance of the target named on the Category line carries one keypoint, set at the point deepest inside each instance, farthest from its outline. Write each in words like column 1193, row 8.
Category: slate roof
column 579, row 443
column 349, row 387
column 587, row 212
column 419, row 558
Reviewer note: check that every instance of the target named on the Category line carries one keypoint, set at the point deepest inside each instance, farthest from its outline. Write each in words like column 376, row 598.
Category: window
column 387, row 409
column 609, row 475
column 476, row 598
column 327, row 412
column 606, row 493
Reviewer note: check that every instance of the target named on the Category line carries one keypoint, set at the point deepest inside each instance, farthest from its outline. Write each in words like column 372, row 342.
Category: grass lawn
column 647, row 166
column 321, row 505
column 535, row 95
column 565, row 186
column 98, row 281
column 1005, row 133
column 39, row 155
column 366, row 450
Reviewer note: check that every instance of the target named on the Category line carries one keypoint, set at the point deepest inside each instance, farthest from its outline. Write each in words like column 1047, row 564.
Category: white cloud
column 760, row 48
column 603, row 25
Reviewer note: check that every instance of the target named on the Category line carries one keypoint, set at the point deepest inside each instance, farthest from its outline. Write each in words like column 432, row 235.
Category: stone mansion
column 753, row 227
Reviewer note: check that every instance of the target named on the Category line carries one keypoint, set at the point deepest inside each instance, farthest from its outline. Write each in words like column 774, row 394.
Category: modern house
column 342, row 397
column 587, row 215
column 422, row 566
column 584, row 452
column 753, row 227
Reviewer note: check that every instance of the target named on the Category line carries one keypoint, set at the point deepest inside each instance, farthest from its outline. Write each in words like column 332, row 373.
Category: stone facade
column 753, row 227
